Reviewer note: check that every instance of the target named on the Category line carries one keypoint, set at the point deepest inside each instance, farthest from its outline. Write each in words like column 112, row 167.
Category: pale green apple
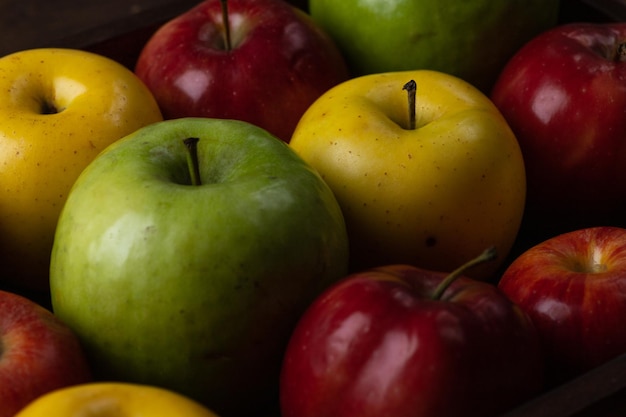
column 195, row 288
column 471, row 39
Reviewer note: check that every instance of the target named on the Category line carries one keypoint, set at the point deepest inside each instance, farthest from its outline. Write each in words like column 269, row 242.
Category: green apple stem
column 192, row 160
column 411, row 87
column 226, row 23
column 487, row 255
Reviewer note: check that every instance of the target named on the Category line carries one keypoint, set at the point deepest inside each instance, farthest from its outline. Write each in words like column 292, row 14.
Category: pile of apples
column 361, row 209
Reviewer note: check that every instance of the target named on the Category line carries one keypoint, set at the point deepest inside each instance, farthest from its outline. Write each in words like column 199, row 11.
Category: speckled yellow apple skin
column 114, row 399
column 434, row 196
column 58, row 109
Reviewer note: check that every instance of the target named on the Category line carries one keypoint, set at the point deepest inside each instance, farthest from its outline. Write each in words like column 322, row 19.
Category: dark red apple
column 564, row 96
column 38, row 353
column 383, row 343
column 275, row 65
column 573, row 287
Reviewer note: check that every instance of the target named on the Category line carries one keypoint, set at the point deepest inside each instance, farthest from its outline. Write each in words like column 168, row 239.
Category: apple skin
column 376, row 344
column 280, row 62
column 471, row 39
column 114, row 399
column 41, row 155
column 409, row 195
column 38, row 353
column 204, row 282
column 564, row 96
column 573, row 287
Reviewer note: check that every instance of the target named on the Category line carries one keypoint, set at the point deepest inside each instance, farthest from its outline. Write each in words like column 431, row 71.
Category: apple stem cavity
column 411, row 87
column 226, row 23
column 487, row 255
column 48, row 108
column 192, row 160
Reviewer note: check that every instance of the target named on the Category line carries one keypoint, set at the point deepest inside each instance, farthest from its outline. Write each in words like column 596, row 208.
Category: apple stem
column 620, row 53
column 487, row 255
column 226, row 23
column 192, row 160
column 411, row 87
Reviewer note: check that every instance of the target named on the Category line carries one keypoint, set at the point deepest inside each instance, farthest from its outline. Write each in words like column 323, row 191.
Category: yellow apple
column 433, row 195
column 58, row 109
column 114, row 399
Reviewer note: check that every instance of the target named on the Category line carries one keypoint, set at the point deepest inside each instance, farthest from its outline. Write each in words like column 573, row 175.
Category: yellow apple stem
column 487, row 255
column 226, row 23
column 192, row 160
column 411, row 87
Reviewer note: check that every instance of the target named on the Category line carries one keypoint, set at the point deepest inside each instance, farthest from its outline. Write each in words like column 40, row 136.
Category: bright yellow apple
column 114, row 399
column 432, row 196
column 58, row 109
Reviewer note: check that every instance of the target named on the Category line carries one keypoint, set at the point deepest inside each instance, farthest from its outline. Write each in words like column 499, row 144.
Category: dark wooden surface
column 597, row 393
column 119, row 28
column 35, row 23
column 88, row 24
column 83, row 24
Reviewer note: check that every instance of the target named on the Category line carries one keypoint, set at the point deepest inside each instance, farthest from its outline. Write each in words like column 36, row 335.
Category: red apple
column 277, row 64
column 38, row 353
column 383, row 343
column 564, row 96
column 573, row 287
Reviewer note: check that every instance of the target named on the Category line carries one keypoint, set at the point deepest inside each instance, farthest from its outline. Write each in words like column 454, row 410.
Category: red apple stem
column 226, row 23
column 411, row 88
column 192, row 160
column 487, row 255
column 620, row 53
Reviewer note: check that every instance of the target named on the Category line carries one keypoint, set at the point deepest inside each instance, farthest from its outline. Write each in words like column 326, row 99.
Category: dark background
column 119, row 29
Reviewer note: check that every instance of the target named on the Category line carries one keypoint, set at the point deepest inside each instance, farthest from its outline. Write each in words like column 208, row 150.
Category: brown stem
column 487, row 255
column 192, row 160
column 411, row 87
column 226, row 23
column 620, row 53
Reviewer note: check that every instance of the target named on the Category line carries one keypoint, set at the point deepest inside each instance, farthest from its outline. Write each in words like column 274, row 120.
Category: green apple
column 471, row 39
column 193, row 280
column 59, row 108
column 431, row 195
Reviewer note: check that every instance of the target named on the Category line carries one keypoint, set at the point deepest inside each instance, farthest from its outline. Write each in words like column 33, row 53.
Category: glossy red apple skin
column 564, row 96
column 280, row 62
column 376, row 345
column 38, row 353
column 573, row 287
